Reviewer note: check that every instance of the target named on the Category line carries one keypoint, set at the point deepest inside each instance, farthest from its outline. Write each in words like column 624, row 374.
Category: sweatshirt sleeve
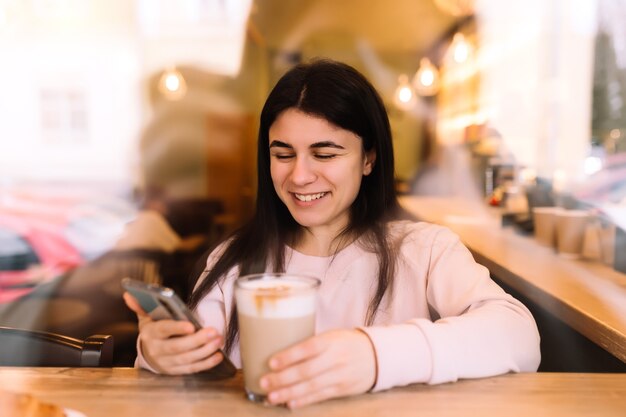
column 478, row 331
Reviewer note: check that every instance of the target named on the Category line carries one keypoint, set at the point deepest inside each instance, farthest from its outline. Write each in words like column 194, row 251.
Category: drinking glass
column 275, row 311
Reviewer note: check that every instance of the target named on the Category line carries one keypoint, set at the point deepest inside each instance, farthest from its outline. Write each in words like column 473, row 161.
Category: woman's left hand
column 333, row 364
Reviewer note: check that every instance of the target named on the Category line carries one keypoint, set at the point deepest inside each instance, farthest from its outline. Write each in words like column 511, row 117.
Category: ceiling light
column 461, row 49
column 172, row 84
column 403, row 97
column 426, row 79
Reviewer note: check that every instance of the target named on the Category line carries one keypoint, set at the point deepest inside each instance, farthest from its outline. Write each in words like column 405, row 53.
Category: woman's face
column 316, row 169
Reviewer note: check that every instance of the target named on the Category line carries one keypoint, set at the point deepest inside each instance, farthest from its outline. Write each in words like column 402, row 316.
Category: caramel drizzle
column 262, row 296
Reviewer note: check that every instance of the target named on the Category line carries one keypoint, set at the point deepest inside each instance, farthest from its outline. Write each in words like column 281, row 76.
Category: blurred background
column 114, row 108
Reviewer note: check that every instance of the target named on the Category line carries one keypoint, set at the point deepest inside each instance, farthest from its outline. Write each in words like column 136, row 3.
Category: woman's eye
column 283, row 155
column 325, row 155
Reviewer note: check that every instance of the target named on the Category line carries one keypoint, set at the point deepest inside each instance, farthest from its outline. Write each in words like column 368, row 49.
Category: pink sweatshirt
column 446, row 320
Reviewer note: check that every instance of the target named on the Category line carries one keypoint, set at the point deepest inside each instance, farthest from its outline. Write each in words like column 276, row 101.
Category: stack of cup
column 562, row 229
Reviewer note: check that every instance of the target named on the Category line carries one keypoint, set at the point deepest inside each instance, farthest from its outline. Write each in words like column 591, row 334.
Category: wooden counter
column 588, row 296
column 127, row 392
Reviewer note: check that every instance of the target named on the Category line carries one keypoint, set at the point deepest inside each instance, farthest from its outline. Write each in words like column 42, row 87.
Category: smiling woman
column 399, row 302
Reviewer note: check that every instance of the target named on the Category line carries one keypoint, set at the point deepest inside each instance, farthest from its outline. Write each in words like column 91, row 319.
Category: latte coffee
column 275, row 311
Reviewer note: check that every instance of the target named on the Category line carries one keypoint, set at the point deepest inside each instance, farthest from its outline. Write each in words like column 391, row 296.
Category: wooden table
column 587, row 296
column 128, row 392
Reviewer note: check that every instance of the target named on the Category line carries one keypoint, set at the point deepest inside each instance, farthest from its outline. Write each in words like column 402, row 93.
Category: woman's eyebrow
column 279, row 144
column 326, row 144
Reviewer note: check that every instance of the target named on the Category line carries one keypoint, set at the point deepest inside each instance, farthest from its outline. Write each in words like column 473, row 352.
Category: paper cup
column 571, row 225
column 545, row 225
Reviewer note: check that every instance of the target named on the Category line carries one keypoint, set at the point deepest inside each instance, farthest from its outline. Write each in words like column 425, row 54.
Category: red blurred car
column 47, row 231
column 31, row 252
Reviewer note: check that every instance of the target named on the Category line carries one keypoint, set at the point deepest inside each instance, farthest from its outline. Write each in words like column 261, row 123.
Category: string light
column 461, row 49
column 426, row 79
column 404, row 97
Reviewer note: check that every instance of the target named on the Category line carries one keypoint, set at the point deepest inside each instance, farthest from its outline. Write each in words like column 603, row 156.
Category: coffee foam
column 276, row 298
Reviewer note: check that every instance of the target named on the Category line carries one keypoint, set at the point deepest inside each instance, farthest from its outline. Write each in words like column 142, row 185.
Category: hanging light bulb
column 404, row 98
column 172, row 84
column 426, row 79
column 461, row 49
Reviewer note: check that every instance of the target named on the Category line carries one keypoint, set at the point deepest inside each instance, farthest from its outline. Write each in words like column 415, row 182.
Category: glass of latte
column 275, row 311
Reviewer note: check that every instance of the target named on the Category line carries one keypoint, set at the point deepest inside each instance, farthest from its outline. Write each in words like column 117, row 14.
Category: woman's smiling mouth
column 309, row 197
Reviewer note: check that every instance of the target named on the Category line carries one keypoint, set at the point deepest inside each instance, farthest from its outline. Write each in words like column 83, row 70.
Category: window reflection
column 90, row 142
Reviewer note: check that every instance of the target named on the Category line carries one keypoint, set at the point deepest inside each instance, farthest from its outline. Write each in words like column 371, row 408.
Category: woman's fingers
column 203, row 365
column 168, row 337
column 290, row 368
column 165, row 329
column 323, row 385
column 204, row 357
column 305, row 350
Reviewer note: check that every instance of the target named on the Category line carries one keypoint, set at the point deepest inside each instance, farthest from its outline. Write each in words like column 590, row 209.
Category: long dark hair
column 341, row 95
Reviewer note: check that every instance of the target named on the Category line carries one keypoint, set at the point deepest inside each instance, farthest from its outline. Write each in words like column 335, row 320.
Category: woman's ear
column 370, row 160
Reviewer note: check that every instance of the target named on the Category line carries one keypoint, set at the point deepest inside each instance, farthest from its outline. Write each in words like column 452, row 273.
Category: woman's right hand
column 174, row 347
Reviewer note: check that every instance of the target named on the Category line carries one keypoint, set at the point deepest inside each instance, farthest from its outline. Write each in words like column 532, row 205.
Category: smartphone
column 162, row 303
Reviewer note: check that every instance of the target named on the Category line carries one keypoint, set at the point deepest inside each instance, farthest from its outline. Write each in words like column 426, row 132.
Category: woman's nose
column 302, row 172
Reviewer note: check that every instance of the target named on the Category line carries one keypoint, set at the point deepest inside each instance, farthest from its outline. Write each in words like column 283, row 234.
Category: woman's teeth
column 309, row 197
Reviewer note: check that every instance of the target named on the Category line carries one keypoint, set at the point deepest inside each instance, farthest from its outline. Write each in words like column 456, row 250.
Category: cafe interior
column 509, row 128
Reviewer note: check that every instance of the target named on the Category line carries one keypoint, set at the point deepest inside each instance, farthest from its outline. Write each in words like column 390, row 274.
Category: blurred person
column 172, row 229
column 400, row 302
column 447, row 170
